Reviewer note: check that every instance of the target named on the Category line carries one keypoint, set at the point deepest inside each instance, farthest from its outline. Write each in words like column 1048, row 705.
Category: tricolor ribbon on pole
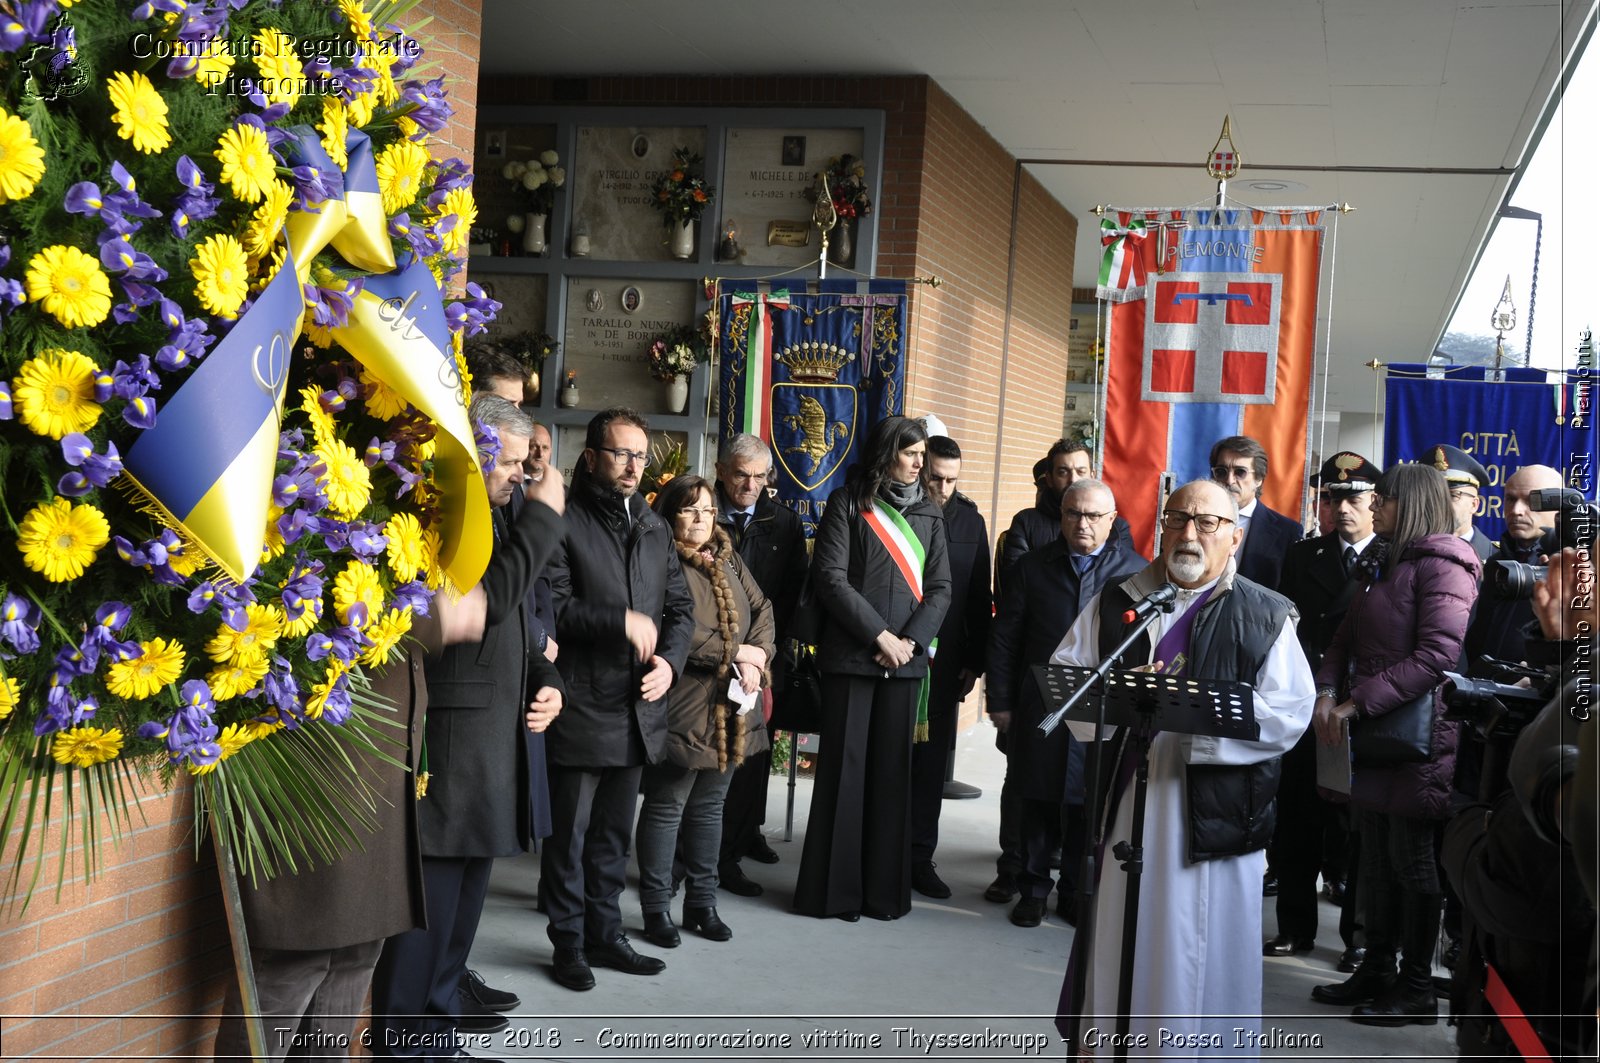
column 207, row 464
column 758, row 359
column 911, row 558
column 1122, row 269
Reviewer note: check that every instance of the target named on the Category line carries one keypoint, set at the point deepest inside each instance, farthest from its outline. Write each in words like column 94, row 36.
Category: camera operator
column 1523, row 863
column 1497, row 629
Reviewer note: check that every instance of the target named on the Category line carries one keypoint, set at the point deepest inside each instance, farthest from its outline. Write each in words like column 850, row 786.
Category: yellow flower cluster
column 59, row 540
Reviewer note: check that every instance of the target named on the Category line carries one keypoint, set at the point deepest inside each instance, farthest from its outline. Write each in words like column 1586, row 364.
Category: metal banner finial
column 1223, row 163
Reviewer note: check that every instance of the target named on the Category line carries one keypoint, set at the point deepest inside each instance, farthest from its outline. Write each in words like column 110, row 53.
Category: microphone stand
column 1087, row 885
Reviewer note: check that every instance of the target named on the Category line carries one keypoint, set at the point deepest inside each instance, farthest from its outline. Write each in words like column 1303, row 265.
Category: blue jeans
column 680, row 799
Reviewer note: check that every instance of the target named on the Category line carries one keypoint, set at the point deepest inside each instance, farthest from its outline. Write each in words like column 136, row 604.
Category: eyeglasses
column 1467, row 492
column 1378, row 500
column 1204, row 523
column 1087, row 518
column 624, row 457
column 1231, row 472
column 703, row 512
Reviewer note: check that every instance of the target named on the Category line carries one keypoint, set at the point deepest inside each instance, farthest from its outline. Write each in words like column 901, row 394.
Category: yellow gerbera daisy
column 309, row 618
column 186, row 558
column 157, row 668
column 140, row 112
column 59, row 540
column 458, row 201
column 221, row 274
column 359, row 109
column 335, row 126
column 383, row 401
column 345, row 480
column 317, row 699
column 355, row 13
column 10, row 695
column 430, row 553
column 233, row 738
column 407, row 126
column 234, row 680
column 212, row 67
column 21, row 159
column 259, row 729
column 279, row 65
column 71, row 285
column 321, row 421
column 386, row 635
column 267, row 221
column 357, row 585
column 247, row 163
column 405, row 550
column 86, row 746
column 263, row 623
column 400, row 170
column 54, row 393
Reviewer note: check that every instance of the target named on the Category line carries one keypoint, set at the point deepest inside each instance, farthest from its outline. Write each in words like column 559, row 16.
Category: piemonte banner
column 1527, row 417
column 811, row 368
column 1210, row 333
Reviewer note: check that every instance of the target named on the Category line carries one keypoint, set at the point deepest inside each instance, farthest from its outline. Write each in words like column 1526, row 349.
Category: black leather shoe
column 473, row 985
column 1028, row 912
column 1334, row 891
column 761, row 852
column 1363, row 987
column 659, row 931
column 1403, row 1005
column 849, row 917
column 1283, row 945
column 473, row 1017
column 926, row 881
column 571, row 969
column 1350, row 959
column 619, row 956
column 732, row 878
column 707, row 923
column 1269, row 885
column 1001, row 890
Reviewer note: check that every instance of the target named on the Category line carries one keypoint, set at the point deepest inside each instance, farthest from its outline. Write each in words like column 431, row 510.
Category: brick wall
column 135, row 965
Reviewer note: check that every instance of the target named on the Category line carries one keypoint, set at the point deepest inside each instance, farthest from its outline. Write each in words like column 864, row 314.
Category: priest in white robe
column 1197, row 959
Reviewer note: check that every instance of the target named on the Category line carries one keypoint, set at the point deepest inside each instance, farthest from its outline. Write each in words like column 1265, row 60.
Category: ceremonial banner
column 1210, row 333
column 811, row 371
column 1527, row 418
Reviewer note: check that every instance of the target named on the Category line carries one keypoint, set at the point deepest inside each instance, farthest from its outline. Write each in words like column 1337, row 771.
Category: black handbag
column 1403, row 735
column 797, row 699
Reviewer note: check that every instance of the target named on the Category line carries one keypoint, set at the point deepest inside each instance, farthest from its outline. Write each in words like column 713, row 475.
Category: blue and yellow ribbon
column 207, row 464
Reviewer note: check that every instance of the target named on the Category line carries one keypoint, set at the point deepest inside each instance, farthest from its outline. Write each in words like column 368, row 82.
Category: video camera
column 1497, row 711
column 1575, row 527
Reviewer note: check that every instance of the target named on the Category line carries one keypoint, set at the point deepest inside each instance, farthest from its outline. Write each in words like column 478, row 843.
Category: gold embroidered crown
column 814, row 362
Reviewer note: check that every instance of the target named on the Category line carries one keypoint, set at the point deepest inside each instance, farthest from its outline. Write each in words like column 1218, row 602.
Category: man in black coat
column 482, row 698
column 1066, row 463
column 1042, row 597
column 1498, row 626
column 772, row 544
column 963, row 648
column 1239, row 463
column 623, row 614
column 1319, row 577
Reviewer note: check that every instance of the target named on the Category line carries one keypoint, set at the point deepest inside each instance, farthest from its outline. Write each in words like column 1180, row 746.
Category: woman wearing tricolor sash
column 880, row 573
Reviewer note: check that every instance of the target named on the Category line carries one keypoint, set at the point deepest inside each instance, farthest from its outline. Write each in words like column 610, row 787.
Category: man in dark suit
column 623, row 613
column 1042, row 597
column 1239, row 463
column 1067, row 462
column 1499, row 625
column 476, row 759
column 963, row 648
column 1319, row 577
column 772, row 544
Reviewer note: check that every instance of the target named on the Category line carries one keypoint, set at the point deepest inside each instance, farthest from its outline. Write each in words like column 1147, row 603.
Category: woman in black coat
column 882, row 578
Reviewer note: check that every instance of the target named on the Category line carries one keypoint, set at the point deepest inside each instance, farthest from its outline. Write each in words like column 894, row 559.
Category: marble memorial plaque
column 523, row 298
column 766, row 173
column 610, row 186
column 498, row 198
column 606, row 344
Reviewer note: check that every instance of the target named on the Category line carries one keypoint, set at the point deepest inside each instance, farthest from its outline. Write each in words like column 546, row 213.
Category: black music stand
column 1146, row 703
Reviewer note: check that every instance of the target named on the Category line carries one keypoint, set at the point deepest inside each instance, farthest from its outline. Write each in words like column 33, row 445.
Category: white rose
column 533, row 179
column 514, row 222
column 558, row 175
column 509, row 171
column 549, row 158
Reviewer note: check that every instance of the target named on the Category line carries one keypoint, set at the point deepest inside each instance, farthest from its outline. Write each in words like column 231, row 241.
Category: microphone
column 1158, row 600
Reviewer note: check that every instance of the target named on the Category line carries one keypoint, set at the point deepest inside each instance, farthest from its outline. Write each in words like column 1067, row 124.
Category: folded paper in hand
column 736, row 694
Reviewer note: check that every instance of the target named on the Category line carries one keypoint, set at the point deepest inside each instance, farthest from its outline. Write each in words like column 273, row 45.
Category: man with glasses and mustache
column 623, row 613
column 1197, row 958
column 1466, row 479
column 1239, row 464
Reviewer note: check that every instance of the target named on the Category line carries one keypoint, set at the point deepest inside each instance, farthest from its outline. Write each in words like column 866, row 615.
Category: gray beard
column 1186, row 567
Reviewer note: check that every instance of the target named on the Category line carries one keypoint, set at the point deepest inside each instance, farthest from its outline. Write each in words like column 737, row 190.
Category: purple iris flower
column 488, row 441
column 195, row 202
column 140, row 412
column 202, row 597
column 119, row 256
column 451, row 175
column 19, row 624
column 378, row 450
column 367, row 540
column 132, row 379
column 414, row 594
column 6, row 410
column 29, row 25
column 429, row 108
column 336, row 707
column 311, row 186
column 330, row 307
column 282, row 691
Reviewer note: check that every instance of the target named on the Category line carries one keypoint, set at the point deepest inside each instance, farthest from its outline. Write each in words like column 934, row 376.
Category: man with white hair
column 1210, row 810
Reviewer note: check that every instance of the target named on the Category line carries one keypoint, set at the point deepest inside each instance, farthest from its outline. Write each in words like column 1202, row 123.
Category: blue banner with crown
column 811, row 371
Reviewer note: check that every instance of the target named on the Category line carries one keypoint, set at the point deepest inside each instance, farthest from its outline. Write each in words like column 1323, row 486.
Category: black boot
column 707, row 922
column 1372, row 979
column 659, row 931
column 1411, row 999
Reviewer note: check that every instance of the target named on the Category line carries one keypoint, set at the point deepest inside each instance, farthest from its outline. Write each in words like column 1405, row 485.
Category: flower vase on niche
column 681, row 240
column 841, row 248
column 677, row 394
column 533, row 234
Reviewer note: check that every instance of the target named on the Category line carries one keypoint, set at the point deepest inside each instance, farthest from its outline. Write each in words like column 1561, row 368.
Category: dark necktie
column 739, row 521
column 1349, row 560
column 1081, row 562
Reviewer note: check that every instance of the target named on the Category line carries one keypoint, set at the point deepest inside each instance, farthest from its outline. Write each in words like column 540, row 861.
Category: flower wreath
column 232, row 426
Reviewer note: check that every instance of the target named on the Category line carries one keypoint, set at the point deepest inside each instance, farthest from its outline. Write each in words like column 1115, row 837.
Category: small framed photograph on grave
column 794, row 151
